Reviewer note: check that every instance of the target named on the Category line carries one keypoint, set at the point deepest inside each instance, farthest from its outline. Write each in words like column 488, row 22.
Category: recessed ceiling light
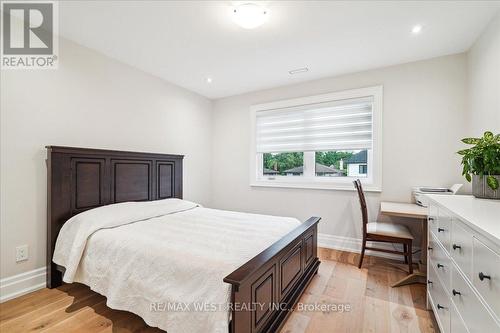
column 249, row 15
column 416, row 29
column 209, row 80
column 298, row 70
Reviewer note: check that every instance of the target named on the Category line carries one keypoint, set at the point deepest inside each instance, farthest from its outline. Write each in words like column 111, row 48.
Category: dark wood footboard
column 266, row 288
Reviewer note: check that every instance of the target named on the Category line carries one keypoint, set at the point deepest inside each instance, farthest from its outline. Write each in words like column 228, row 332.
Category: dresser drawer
column 432, row 281
column 440, row 261
column 457, row 324
column 476, row 317
column 443, row 230
column 486, row 265
column 439, row 300
column 433, row 216
column 461, row 247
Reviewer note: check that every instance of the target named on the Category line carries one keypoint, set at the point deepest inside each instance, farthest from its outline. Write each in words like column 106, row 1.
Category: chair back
column 362, row 203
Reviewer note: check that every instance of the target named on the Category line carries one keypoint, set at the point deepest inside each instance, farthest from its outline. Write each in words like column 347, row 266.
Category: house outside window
column 322, row 141
column 357, row 164
column 363, row 169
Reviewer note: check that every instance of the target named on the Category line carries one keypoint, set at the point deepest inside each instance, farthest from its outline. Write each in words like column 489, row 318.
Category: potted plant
column 481, row 164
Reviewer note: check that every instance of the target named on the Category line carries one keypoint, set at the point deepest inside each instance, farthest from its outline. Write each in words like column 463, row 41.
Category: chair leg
column 362, row 253
column 405, row 250
column 410, row 254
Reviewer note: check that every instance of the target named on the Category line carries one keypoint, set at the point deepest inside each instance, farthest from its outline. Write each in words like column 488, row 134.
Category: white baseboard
column 20, row 284
column 350, row 244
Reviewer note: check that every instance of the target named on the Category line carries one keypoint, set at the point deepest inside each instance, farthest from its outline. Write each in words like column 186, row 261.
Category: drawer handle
column 429, row 248
column 455, row 246
column 482, row 276
column 440, row 266
column 455, row 293
column 440, row 230
column 439, row 306
column 429, row 282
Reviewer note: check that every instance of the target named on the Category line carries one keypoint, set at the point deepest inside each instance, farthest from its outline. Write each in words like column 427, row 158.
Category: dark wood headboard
column 79, row 179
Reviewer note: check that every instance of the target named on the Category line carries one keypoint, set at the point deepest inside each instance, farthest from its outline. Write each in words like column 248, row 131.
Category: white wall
column 90, row 101
column 423, row 120
column 483, row 76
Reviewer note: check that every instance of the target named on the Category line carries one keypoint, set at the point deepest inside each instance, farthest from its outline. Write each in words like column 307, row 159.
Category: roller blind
column 337, row 125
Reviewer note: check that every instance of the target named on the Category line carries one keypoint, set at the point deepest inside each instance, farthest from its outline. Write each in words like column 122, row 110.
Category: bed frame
column 264, row 290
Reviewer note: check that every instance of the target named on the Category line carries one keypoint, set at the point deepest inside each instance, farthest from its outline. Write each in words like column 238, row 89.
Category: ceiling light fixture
column 416, row 29
column 249, row 15
column 299, row 70
column 209, row 80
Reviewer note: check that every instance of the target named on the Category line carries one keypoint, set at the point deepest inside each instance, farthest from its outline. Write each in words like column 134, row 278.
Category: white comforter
column 164, row 260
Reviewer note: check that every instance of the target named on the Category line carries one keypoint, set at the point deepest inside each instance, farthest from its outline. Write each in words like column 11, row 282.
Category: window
column 340, row 163
column 363, row 169
column 283, row 164
column 322, row 141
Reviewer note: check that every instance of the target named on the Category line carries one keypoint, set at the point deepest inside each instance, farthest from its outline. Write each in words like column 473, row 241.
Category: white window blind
column 337, row 125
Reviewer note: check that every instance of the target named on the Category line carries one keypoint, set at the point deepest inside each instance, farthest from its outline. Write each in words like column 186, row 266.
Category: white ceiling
column 186, row 42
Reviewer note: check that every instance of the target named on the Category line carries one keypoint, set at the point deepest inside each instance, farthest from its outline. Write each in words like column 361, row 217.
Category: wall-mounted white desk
column 419, row 214
column 403, row 209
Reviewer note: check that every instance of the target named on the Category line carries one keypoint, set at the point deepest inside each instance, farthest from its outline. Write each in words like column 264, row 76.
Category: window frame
column 309, row 180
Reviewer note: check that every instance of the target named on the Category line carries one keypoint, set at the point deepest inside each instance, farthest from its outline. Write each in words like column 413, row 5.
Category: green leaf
column 471, row 141
column 468, row 177
column 492, row 182
column 462, row 152
column 488, row 135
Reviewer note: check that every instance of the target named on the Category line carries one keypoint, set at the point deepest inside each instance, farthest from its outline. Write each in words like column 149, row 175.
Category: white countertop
column 480, row 214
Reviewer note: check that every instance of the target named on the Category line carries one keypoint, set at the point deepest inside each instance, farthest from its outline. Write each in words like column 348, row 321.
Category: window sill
column 312, row 186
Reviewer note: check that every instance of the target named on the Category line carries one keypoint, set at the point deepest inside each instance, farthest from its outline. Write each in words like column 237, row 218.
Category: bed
column 180, row 266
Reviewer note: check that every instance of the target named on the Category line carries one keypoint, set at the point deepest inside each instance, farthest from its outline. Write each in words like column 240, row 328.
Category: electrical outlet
column 22, row 253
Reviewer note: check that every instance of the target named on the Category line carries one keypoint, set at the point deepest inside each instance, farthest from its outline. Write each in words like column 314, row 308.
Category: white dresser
column 463, row 263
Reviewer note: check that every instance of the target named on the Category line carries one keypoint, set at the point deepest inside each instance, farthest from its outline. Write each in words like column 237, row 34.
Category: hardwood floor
column 375, row 306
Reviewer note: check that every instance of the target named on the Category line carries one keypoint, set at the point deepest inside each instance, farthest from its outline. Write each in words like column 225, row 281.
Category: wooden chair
column 383, row 232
